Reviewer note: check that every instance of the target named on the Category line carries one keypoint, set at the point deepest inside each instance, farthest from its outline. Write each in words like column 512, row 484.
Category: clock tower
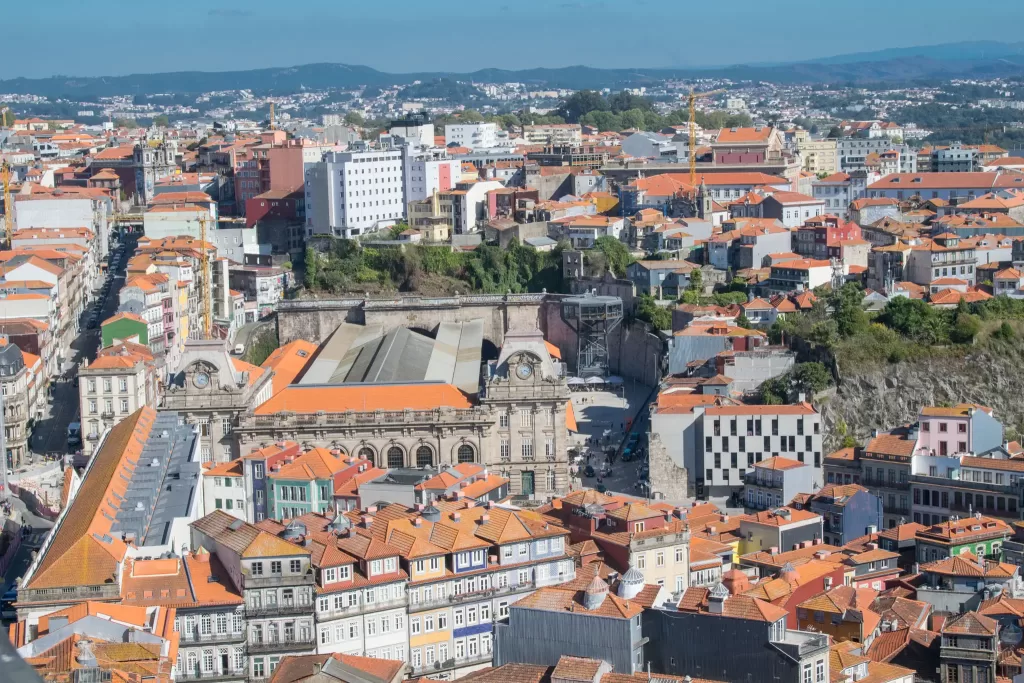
column 527, row 393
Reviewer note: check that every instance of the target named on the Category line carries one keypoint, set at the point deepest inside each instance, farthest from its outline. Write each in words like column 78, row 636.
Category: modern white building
column 730, row 440
column 474, row 135
column 416, row 130
column 427, row 172
column 352, row 193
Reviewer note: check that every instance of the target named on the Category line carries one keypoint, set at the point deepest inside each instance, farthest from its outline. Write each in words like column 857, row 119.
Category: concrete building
column 553, row 134
column 523, row 402
column 210, row 390
column 730, row 441
column 352, row 193
column 838, row 190
column 819, row 156
column 776, row 481
column 416, row 128
column 427, row 172
column 849, row 511
column 474, row 135
column 275, row 582
column 82, row 558
column 20, row 379
column 119, row 382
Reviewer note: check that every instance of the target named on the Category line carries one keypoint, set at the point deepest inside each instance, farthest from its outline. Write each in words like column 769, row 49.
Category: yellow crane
column 272, row 127
column 693, row 131
column 204, row 262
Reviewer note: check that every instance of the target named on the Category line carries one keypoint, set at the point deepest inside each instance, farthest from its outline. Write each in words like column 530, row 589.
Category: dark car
column 589, row 471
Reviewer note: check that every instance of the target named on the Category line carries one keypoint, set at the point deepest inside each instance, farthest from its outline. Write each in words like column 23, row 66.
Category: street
column 601, row 417
column 51, row 432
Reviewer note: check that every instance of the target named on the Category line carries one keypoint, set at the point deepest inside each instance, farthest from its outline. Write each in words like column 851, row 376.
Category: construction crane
column 272, row 127
column 693, row 132
column 5, row 176
column 204, row 263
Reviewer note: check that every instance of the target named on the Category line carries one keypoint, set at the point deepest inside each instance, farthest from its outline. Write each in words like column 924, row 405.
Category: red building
column 275, row 204
column 822, row 235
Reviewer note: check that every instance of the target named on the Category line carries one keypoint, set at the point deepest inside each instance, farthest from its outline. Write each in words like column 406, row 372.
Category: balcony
column 281, row 645
column 470, row 597
column 280, row 610
column 195, row 637
column 276, row 580
column 949, row 652
column 886, row 484
column 92, row 437
column 211, row 676
column 436, row 667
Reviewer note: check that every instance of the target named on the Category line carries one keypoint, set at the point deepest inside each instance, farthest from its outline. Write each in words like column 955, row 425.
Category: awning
column 595, row 380
column 575, row 381
column 570, row 417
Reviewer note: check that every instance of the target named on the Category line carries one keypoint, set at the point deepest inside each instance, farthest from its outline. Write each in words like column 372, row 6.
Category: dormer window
column 638, row 527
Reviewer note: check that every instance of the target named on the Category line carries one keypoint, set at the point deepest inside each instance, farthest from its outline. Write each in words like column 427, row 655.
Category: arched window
column 395, row 457
column 465, row 453
column 424, row 456
column 193, row 663
column 366, row 453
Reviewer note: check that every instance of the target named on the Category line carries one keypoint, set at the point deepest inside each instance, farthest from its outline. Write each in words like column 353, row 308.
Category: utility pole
column 6, row 494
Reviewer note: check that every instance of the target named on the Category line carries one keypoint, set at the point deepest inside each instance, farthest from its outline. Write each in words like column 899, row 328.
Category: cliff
column 884, row 395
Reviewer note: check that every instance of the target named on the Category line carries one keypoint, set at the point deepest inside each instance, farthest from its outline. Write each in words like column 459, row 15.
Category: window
column 396, row 458
column 257, row 568
column 275, row 566
column 679, row 554
column 641, row 561
column 505, row 451
column 296, row 566
column 503, row 420
column 525, row 417
column 659, row 559
column 465, row 453
column 123, row 385
column 527, row 449
column 424, row 456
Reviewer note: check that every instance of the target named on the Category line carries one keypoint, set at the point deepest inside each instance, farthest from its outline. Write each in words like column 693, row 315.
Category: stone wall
column 669, row 482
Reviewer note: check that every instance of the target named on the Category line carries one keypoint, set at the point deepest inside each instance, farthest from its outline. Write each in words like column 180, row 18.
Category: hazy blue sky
column 101, row 37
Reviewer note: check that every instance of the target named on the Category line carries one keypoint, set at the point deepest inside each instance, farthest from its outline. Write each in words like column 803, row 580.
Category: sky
column 115, row 37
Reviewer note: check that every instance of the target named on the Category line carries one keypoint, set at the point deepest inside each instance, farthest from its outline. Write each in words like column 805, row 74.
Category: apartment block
column 352, row 193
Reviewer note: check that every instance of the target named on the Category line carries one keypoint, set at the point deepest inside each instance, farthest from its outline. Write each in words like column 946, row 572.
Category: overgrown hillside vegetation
column 348, row 267
column 910, row 355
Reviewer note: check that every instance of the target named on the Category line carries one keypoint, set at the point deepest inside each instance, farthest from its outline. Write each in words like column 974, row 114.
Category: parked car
column 589, row 471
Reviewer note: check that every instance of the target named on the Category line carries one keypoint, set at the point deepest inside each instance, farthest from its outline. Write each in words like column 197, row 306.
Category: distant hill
column 897, row 65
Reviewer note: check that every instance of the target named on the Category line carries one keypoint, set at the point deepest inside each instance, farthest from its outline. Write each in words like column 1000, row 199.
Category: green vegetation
column 125, row 123
column 161, row 121
column 612, row 253
column 804, row 378
column 623, row 110
column 262, row 345
column 648, row 310
column 443, row 89
column 347, row 266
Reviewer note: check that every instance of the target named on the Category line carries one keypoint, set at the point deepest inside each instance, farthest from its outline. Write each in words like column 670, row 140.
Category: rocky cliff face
column 886, row 395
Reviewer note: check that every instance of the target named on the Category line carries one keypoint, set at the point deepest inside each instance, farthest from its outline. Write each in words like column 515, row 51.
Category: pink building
column 964, row 428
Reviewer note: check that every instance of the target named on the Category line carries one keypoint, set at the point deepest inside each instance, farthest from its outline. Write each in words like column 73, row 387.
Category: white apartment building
column 840, row 189
column 418, row 132
column 731, row 439
column 554, row 134
column 429, row 172
column 224, row 489
column 352, row 193
column 474, row 135
column 111, row 388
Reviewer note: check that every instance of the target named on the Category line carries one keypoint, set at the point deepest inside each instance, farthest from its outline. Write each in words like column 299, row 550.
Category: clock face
column 201, row 380
column 524, row 371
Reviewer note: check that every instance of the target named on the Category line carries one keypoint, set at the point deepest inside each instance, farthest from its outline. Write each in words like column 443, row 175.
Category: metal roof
column 162, row 485
column 366, row 355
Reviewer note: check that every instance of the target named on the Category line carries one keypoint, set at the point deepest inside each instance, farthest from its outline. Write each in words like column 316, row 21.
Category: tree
column 914, row 319
column 312, row 268
column 847, row 310
column 810, row 378
column 602, row 120
column 624, row 101
column 471, row 116
column 1005, row 332
column 835, row 132
column 580, row 103
column 744, row 322
column 649, row 311
column 697, row 280
column 616, row 254
column 6, row 116
column 354, row 118
column 965, row 328
column 125, row 123
column 634, row 118
column 161, row 121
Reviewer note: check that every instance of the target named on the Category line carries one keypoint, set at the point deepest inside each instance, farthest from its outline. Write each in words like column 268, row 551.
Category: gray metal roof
column 162, row 485
column 358, row 354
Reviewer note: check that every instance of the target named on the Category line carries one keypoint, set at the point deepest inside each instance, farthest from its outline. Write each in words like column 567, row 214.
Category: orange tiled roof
column 365, row 398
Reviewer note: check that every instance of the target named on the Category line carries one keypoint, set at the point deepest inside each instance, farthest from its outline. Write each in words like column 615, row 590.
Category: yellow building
column 819, row 156
column 844, row 613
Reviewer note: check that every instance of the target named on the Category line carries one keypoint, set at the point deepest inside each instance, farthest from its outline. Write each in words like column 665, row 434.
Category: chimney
column 456, row 516
column 872, row 546
column 371, row 510
column 417, row 522
column 774, row 550
column 484, row 518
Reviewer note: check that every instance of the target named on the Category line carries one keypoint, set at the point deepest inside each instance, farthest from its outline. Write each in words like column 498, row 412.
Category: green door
column 527, row 483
